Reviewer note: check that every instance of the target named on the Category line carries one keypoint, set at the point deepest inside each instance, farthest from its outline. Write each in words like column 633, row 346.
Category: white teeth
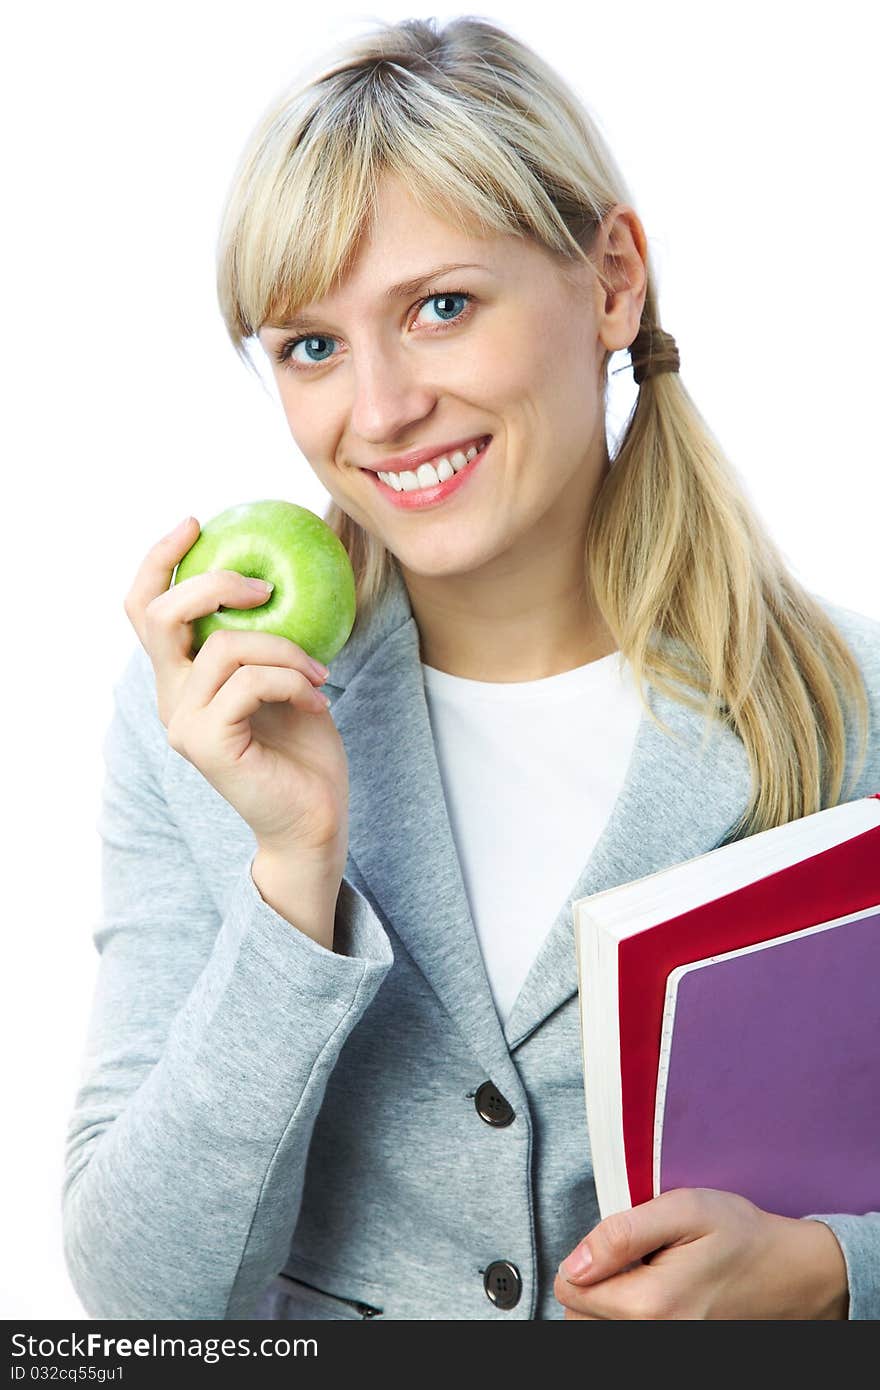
column 430, row 474
column 426, row 476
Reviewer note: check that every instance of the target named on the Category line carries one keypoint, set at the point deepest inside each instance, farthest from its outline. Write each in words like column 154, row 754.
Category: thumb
column 627, row 1236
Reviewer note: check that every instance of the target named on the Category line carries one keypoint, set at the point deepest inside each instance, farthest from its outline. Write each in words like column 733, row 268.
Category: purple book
column 769, row 1078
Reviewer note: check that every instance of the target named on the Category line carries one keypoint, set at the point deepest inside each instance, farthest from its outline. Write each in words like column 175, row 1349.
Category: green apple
column 313, row 602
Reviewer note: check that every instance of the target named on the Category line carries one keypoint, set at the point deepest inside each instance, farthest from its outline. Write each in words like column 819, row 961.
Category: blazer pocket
column 298, row 1300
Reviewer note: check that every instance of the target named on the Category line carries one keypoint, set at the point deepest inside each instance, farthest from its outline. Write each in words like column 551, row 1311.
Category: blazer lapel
column 677, row 801
column 399, row 833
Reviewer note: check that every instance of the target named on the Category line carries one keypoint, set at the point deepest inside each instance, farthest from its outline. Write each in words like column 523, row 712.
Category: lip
column 430, row 496
column 408, row 463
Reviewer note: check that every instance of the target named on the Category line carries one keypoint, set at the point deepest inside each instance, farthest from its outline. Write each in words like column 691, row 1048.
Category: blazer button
column 502, row 1284
column 491, row 1105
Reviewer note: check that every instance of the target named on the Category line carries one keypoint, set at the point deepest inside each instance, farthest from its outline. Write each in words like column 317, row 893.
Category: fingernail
column 263, row 585
column 577, row 1263
column 179, row 528
column 319, row 670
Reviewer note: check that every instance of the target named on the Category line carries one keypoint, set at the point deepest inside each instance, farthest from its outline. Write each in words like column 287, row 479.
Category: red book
column 629, row 938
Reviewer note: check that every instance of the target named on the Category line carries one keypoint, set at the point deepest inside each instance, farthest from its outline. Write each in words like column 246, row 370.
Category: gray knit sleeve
column 211, row 1038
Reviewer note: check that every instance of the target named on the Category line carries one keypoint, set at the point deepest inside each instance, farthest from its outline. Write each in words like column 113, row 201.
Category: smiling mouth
column 430, row 475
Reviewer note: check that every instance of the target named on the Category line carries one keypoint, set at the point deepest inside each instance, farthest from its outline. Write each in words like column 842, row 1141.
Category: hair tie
column 651, row 352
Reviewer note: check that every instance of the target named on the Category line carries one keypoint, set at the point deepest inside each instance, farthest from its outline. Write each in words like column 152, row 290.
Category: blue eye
column 310, row 346
column 447, row 296
column 316, row 344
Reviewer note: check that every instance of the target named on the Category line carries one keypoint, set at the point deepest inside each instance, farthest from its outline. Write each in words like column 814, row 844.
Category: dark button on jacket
column 502, row 1284
column 492, row 1106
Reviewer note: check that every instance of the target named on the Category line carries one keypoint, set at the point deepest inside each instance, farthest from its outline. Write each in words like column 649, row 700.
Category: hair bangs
column 307, row 194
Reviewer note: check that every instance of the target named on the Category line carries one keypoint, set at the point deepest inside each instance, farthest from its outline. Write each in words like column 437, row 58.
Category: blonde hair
column 681, row 569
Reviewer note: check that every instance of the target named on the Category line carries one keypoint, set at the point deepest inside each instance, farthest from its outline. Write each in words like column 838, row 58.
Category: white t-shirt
column 530, row 772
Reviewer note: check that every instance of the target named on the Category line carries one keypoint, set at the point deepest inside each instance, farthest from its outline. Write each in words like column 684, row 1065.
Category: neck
column 525, row 615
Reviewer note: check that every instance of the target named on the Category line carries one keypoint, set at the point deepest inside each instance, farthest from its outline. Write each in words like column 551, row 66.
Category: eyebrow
column 305, row 323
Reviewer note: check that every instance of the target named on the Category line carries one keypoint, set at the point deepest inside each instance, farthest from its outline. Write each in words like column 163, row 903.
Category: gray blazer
column 266, row 1128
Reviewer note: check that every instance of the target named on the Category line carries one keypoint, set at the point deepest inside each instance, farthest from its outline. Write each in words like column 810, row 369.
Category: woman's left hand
column 699, row 1253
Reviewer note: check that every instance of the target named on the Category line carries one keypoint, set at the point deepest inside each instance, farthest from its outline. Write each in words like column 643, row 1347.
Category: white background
column 747, row 135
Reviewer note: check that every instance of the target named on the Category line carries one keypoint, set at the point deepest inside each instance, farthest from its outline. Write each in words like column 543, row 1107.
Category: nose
column 389, row 395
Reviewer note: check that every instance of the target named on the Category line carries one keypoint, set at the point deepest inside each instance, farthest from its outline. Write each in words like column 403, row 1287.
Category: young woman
column 334, row 1065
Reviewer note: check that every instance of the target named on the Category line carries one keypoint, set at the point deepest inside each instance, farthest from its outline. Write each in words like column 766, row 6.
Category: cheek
column 563, row 375
column 539, row 358
column 495, row 374
column 310, row 433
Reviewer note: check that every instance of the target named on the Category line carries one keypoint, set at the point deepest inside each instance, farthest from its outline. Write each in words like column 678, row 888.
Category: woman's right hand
column 246, row 710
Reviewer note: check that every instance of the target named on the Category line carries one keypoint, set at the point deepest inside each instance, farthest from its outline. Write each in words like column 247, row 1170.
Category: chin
column 448, row 563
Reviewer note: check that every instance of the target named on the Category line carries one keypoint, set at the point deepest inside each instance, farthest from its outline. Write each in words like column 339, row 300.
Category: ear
column 620, row 256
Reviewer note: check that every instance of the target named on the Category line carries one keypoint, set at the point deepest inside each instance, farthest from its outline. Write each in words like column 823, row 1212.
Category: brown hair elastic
column 651, row 352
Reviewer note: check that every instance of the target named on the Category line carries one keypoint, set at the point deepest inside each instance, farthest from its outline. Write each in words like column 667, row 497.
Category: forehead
column 404, row 237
